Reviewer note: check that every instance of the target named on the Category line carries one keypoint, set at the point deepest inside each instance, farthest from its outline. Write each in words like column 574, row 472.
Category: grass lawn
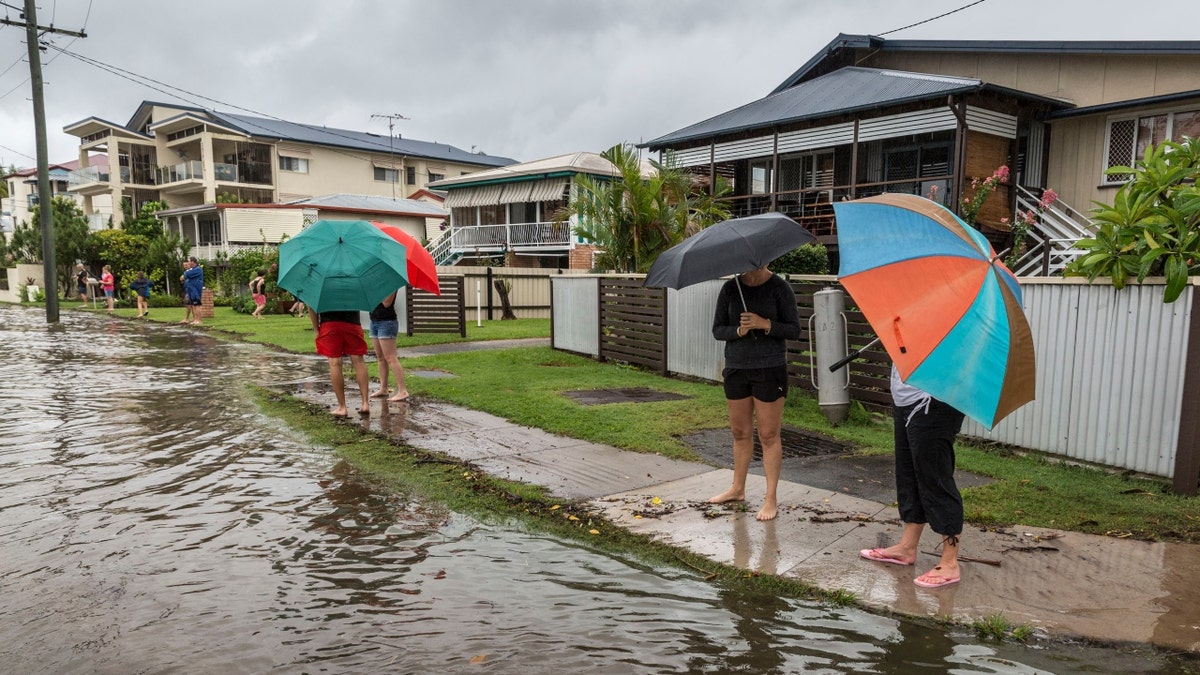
column 525, row 385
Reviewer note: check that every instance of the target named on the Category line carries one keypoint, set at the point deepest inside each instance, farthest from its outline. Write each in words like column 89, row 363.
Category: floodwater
column 152, row 521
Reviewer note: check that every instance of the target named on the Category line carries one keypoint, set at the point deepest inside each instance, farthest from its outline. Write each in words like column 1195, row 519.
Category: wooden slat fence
column 445, row 313
column 633, row 323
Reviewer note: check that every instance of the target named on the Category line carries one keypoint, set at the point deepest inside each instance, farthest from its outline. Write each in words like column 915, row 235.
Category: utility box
column 828, row 338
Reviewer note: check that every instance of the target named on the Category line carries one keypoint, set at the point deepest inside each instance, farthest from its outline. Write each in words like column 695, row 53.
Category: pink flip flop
column 931, row 580
column 877, row 555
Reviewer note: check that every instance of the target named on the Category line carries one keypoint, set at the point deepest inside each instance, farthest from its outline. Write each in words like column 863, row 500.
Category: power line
column 18, row 152
column 935, row 18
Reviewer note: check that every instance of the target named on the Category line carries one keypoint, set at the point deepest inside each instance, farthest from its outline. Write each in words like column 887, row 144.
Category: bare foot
column 339, row 412
column 768, row 511
column 400, row 396
column 364, row 411
column 730, row 495
column 381, row 393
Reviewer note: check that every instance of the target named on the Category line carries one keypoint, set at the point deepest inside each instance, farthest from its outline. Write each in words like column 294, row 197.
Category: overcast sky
column 518, row 78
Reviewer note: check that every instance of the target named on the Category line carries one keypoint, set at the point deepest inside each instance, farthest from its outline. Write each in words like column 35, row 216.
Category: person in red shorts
column 340, row 334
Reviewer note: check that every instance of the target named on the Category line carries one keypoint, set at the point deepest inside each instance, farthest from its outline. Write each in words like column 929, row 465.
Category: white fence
column 1112, row 367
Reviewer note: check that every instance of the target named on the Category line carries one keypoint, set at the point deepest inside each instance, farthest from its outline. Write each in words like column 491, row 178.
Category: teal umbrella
column 342, row 265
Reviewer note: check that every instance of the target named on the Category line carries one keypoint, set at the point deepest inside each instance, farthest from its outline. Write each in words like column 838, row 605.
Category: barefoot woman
column 755, row 334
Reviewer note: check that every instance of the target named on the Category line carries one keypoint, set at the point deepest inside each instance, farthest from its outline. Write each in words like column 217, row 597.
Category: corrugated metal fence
column 1118, row 372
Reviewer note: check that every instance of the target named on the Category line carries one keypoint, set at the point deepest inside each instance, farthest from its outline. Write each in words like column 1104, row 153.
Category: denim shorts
column 385, row 329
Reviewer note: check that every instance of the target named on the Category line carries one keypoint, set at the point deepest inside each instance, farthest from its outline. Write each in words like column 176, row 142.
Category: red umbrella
column 422, row 272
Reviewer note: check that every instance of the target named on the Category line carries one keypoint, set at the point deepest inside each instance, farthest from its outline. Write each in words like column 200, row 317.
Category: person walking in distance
column 81, row 283
column 108, row 284
column 141, row 289
column 258, row 291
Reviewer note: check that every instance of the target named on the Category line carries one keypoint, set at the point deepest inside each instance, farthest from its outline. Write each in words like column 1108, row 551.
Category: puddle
column 629, row 395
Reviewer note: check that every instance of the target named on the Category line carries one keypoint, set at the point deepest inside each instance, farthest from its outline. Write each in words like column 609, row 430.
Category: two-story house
column 867, row 115
column 186, row 157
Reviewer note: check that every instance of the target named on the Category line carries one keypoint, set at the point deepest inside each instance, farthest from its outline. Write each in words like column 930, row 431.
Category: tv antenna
column 391, row 118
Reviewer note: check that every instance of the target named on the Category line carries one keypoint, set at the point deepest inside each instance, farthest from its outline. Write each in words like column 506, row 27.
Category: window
column 760, row 178
column 1128, row 138
column 410, row 175
column 436, row 176
column 296, row 164
column 210, row 230
column 387, row 175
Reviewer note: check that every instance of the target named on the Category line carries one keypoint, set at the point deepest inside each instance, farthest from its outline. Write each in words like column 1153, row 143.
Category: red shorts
column 259, row 299
column 338, row 338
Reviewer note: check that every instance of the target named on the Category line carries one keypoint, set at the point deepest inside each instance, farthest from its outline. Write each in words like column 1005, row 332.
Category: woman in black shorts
column 755, row 331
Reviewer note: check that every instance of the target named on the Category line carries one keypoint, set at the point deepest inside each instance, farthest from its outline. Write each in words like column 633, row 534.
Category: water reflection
column 153, row 521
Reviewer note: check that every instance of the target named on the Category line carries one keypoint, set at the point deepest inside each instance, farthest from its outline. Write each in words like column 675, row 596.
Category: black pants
column 925, row 488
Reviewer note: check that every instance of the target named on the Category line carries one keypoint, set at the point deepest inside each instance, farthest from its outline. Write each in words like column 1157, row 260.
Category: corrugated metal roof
column 1126, row 104
column 358, row 140
column 575, row 162
column 853, row 41
column 374, row 203
column 841, row 91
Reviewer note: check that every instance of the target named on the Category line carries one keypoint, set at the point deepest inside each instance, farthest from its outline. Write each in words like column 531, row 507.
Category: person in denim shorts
column 385, row 326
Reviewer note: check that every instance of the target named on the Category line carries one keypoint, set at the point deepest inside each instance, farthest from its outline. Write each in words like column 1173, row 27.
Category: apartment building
column 185, row 157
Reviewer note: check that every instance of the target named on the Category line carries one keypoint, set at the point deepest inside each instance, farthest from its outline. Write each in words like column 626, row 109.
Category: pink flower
column 1001, row 174
column 1028, row 217
column 1004, row 221
column 1048, row 198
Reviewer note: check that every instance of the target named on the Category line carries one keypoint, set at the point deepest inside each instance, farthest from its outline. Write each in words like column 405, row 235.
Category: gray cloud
column 520, row 78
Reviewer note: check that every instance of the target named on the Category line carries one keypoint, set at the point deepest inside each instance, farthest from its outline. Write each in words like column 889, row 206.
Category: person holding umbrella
column 755, row 317
column 339, row 334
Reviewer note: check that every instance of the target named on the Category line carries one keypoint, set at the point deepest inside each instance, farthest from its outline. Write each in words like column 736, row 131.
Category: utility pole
column 49, row 273
column 391, row 122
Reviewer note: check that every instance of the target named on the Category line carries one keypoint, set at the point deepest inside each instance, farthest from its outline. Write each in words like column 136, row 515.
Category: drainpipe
column 958, row 107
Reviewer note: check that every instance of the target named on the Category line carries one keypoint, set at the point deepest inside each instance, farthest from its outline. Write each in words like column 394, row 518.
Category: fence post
column 1187, row 446
column 489, row 295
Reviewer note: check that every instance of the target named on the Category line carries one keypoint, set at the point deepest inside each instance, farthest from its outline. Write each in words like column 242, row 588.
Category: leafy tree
column 635, row 216
column 70, row 239
column 1152, row 227
column 122, row 251
column 144, row 223
column 163, row 261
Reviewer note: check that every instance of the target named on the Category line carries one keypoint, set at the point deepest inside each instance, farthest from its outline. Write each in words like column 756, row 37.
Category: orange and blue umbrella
column 943, row 305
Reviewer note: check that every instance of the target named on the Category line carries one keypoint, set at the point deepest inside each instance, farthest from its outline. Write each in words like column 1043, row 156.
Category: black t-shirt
column 81, row 278
column 257, row 285
column 382, row 313
column 343, row 317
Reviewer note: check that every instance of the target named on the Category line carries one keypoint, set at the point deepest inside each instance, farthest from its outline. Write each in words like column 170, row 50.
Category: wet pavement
column 1066, row 585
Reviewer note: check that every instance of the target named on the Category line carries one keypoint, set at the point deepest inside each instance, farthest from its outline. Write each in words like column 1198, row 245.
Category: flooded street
column 152, row 521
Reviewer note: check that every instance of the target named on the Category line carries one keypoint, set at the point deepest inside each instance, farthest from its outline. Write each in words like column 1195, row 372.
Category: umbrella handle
column 852, row 356
column 899, row 339
column 740, row 294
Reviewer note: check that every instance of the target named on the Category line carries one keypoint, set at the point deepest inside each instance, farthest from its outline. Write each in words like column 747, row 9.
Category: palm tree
column 636, row 215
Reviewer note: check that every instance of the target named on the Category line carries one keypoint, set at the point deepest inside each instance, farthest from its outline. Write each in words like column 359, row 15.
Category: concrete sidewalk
column 1064, row 583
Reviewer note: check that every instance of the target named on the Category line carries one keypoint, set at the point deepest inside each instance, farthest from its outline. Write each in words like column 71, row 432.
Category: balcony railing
column 192, row 170
column 226, row 173
column 94, row 174
column 518, row 237
column 813, row 207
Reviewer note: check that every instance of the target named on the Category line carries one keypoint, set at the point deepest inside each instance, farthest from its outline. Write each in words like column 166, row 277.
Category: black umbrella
column 729, row 247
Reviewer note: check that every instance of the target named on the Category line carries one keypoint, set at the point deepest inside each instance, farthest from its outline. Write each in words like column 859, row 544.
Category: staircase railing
column 1052, row 238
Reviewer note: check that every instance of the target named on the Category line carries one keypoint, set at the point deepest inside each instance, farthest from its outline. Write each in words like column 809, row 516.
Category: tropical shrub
column 165, row 300
column 808, row 259
column 1152, row 226
column 635, row 216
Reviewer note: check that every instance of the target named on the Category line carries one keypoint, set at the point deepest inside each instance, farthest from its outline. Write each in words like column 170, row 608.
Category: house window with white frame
column 1128, row 137
column 293, row 164
column 387, row 175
